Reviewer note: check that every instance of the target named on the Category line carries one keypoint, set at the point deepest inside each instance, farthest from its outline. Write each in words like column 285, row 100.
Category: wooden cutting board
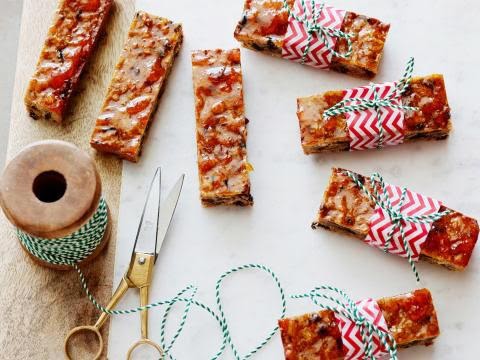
column 37, row 305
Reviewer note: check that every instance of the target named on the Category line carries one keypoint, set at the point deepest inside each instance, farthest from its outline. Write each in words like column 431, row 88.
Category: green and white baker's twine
column 71, row 249
column 361, row 104
column 218, row 315
column 74, row 248
column 347, row 308
column 313, row 27
column 382, row 200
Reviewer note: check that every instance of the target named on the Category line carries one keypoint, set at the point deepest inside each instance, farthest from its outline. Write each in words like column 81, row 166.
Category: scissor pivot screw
column 141, row 260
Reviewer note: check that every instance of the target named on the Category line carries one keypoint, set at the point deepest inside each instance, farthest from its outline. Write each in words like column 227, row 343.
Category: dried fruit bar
column 69, row 44
column 410, row 319
column 448, row 240
column 221, row 128
column 429, row 121
column 138, row 82
column 275, row 27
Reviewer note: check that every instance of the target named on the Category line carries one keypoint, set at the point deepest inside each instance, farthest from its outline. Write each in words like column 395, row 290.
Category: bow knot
column 310, row 19
column 381, row 199
column 361, row 321
column 392, row 100
column 395, row 216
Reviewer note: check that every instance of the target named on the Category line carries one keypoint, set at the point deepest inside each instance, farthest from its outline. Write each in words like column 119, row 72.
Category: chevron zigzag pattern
column 363, row 126
column 351, row 334
column 296, row 38
column 415, row 234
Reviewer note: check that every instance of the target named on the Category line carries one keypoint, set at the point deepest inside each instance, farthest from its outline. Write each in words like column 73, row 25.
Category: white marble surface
column 288, row 186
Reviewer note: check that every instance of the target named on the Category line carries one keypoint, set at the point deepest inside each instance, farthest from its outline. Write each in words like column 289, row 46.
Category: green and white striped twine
column 361, row 104
column 347, row 308
column 313, row 27
column 219, row 315
column 71, row 249
column 398, row 219
column 74, row 248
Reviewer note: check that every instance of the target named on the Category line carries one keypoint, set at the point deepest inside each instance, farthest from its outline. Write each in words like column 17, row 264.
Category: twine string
column 166, row 348
column 224, row 319
column 381, row 199
column 169, row 303
column 356, row 104
column 347, row 308
column 312, row 27
column 73, row 248
column 361, row 104
column 218, row 315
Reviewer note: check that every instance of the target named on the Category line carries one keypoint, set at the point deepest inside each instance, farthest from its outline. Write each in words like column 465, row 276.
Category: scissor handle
column 86, row 328
column 144, row 342
column 119, row 292
column 144, row 326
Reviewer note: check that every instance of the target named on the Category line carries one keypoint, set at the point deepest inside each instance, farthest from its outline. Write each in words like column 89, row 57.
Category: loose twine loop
column 218, row 315
column 398, row 219
column 313, row 27
column 356, row 104
column 344, row 306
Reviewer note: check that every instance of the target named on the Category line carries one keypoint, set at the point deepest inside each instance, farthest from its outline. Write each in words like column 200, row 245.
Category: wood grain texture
column 37, row 305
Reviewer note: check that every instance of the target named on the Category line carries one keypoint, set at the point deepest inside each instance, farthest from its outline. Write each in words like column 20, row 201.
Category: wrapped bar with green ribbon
column 313, row 33
column 375, row 115
column 397, row 220
column 344, row 329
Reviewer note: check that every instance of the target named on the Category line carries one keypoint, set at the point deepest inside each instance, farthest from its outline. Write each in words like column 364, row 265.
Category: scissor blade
column 147, row 229
column 167, row 211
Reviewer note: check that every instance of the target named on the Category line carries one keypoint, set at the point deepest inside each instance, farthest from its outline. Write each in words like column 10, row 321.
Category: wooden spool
column 50, row 190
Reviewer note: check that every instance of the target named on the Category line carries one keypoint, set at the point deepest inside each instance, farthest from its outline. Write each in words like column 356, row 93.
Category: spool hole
column 49, row 186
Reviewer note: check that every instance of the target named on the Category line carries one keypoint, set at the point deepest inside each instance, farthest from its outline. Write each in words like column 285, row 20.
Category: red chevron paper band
column 296, row 37
column 351, row 335
column 363, row 128
column 415, row 234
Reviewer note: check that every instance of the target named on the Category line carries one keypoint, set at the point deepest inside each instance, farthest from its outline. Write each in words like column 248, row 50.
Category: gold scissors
column 153, row 227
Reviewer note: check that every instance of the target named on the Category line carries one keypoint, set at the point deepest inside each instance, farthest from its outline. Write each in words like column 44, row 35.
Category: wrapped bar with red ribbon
column 397, row 220
column 313, row 33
